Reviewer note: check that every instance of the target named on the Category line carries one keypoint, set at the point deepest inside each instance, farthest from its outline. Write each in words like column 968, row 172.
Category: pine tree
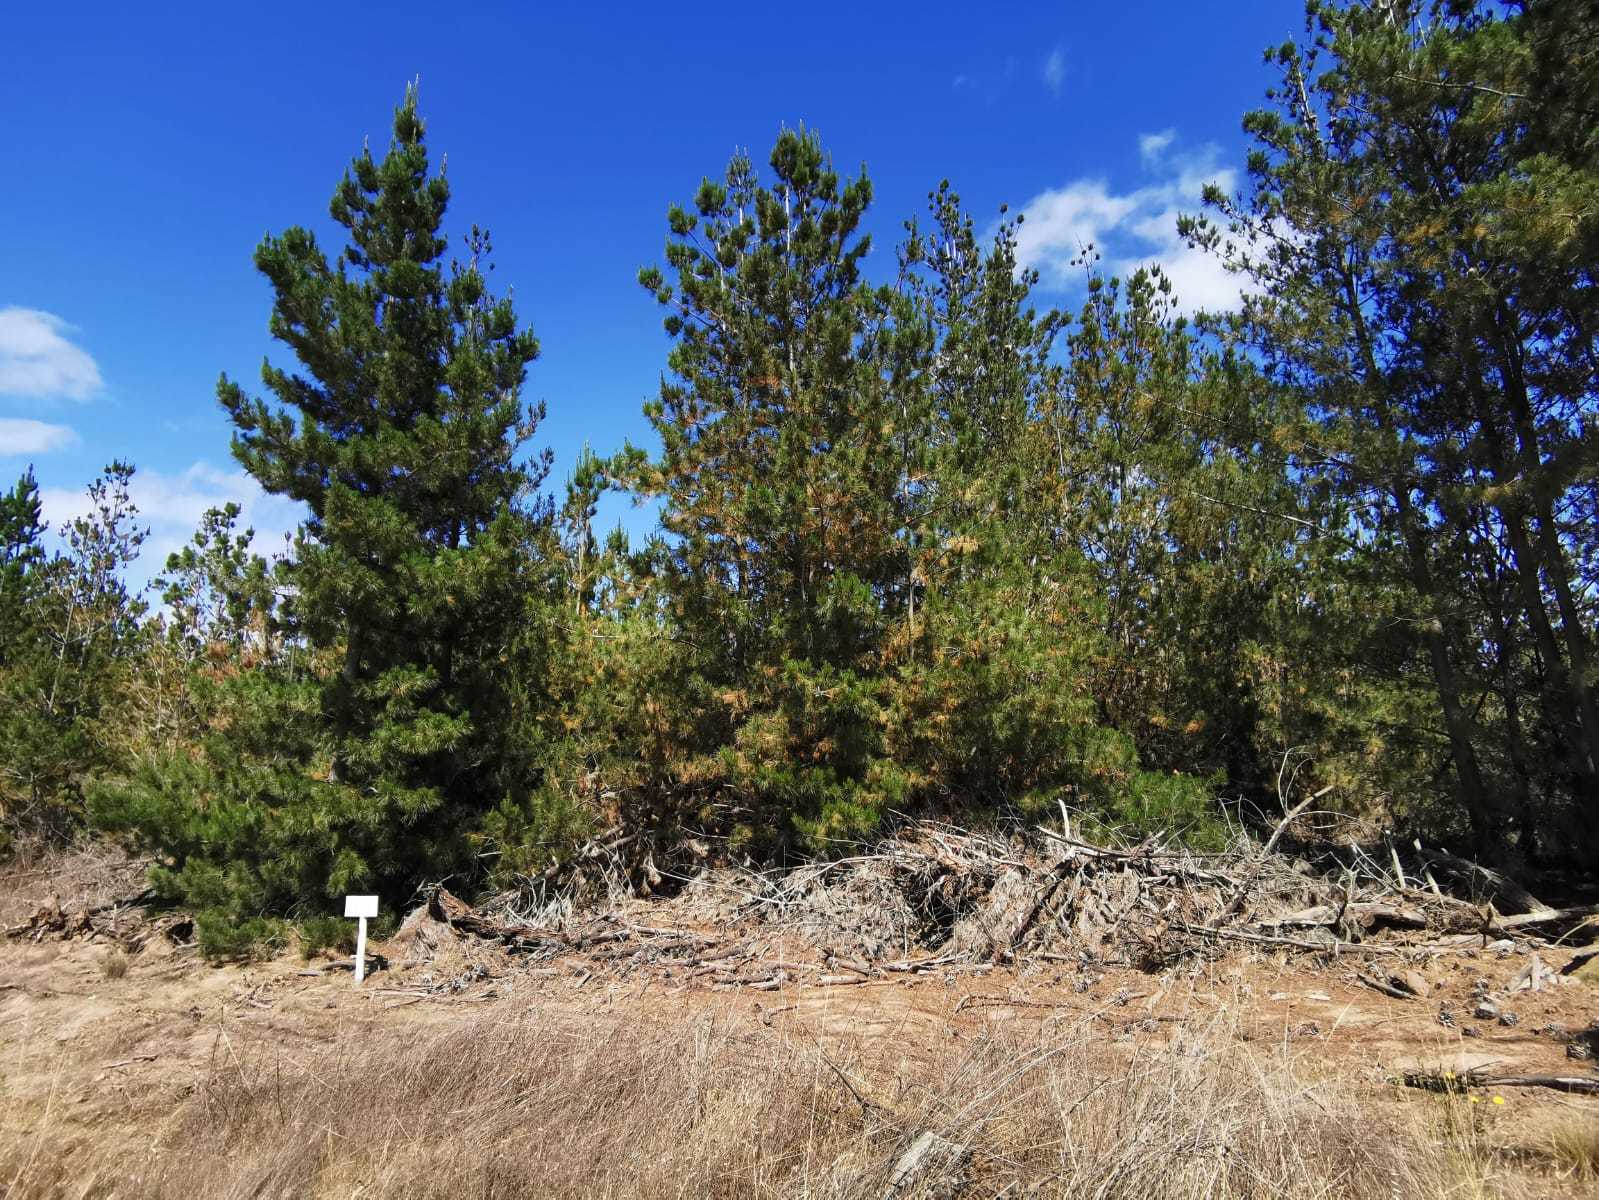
column 778, row 478
column 768, row 422
column 22, row 530
column 1420, row 235
column 76, row 631
column 401, row 432
column 868, row 603
column 219, row 592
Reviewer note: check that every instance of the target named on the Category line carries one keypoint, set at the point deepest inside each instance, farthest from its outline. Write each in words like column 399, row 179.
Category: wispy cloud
column 1054, row 70
column 19, row 436
column 171, row 505
column 38, row 359
column 1133, row 228
column 1152, row 147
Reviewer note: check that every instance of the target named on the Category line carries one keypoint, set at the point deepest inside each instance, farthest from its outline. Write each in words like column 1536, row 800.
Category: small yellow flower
column 1499, row 1099
column 1476, row 1099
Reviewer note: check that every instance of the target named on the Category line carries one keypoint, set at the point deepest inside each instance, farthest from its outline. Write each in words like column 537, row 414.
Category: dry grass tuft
column 114, row 963
column 1575, row 1151
column 720, row 1107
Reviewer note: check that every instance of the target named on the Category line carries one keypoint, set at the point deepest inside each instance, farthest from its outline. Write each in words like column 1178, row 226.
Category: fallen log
column 1316, row 916
column 1238, row 935
column 1369, row 915
column 1452, row 1082
column 52, row 918
column 1387, row 916
column 451, row 910
column 920, row 964
column 1532, row 977
column 1581, row 1085
column 1547, row 916
column 851, row 964
column 1484, row 883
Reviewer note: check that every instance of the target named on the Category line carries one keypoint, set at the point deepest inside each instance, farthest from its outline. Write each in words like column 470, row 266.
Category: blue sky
column 149, row 147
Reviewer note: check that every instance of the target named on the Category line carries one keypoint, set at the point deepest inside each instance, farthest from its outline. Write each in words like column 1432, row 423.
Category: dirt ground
column 104, row 1054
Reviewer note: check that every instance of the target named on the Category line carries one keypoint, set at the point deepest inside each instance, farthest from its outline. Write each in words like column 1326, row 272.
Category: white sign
column 360, row 907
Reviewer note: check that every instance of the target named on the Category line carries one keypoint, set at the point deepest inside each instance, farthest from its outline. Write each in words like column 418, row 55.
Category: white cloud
column 1055, row 69
column 1152, row 147
column 19, row 436
column 38, row 360
column 171, row 506
column 1133, row 228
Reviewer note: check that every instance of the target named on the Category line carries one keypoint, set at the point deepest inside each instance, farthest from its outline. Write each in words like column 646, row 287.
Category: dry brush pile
column 935, row 897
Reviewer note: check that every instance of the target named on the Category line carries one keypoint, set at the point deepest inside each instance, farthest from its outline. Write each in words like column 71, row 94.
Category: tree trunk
column 1555, row 568
column 1487, row 819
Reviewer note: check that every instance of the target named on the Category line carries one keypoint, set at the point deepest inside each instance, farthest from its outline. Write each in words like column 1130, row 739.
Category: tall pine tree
column 1420, row 234
column 401, row 432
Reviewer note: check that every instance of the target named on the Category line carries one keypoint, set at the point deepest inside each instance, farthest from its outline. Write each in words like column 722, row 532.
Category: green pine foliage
column 926, row 546
column 368, row 760
column 22, row 529
column 69, row 643
column 1420, row 231
column 869, row 558
column 777, row 488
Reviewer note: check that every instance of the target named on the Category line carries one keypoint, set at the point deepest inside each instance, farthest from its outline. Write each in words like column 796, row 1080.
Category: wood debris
column 934, row 1167
column 935, row 899
column 1459, row 1082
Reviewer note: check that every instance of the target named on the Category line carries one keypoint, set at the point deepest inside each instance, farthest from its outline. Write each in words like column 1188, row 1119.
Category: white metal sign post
column 360, row 907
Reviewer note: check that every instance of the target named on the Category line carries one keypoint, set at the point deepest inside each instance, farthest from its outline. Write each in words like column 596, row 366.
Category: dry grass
column 114, row 963
column 37, row 872
column 1574, row 1149
column 503, row 1107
